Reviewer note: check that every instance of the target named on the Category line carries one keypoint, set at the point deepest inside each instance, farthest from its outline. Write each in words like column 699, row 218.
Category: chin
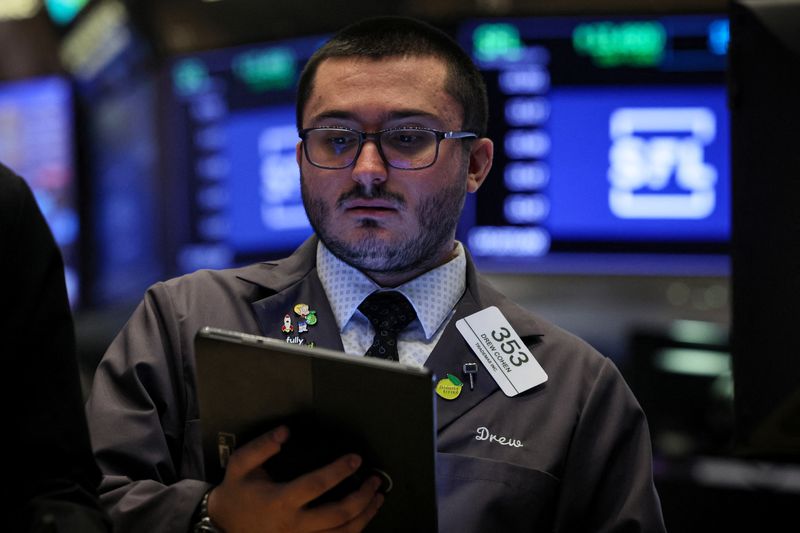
column 374, row 232
column 370, row 250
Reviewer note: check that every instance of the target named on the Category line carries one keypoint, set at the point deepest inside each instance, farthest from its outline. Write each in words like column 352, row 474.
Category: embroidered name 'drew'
column 484, row 434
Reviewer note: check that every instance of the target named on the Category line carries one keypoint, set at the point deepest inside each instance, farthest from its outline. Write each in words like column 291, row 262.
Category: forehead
column 376, row 91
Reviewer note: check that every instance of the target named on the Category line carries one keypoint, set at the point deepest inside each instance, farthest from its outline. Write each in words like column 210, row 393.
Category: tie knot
column 388, row 311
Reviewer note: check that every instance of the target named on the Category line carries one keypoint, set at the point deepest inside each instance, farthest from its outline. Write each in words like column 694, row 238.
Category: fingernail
column 379, row 499
column 374, row 483
column 280, row 434
column 354, row 462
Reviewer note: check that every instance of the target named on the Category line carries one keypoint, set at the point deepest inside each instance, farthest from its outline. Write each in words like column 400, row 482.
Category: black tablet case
column 333, row 404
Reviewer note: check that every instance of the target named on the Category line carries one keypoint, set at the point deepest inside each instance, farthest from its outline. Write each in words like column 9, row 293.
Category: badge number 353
column 510, row 346
column 502, row 352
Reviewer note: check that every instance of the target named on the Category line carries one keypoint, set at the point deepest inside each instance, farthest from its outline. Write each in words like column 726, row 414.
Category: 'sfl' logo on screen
column 657, row 168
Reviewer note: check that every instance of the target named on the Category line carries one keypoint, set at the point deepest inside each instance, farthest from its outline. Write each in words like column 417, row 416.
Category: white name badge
column 501, row 351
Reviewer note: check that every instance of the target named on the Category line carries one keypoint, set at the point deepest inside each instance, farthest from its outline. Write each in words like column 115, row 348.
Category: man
column 384, row 206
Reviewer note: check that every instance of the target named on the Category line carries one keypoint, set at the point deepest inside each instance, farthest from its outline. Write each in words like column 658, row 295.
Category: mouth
column 370, row 207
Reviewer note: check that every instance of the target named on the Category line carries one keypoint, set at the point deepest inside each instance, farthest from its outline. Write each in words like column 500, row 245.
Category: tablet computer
column 334, row 404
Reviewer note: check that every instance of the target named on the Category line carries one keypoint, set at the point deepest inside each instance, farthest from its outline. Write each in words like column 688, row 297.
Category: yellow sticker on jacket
column 449, row 388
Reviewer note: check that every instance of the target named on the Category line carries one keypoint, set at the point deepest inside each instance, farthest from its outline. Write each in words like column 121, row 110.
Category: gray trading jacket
column 584, row 465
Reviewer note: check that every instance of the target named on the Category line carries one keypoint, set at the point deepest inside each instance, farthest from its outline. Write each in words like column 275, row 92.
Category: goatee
column 437, row 218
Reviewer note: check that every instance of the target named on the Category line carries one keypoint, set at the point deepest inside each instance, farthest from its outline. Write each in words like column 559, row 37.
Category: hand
column 247, row 500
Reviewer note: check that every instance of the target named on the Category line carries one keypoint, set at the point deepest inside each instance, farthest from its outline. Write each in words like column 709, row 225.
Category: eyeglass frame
column 375, row 136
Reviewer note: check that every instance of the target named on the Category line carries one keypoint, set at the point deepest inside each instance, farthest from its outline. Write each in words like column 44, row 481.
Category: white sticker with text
column 501, row 351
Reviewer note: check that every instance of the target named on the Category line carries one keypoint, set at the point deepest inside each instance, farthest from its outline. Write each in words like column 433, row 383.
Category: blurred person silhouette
column 51, row 477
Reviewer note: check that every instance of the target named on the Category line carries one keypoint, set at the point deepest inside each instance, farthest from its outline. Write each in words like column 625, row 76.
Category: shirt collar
column 433, row 294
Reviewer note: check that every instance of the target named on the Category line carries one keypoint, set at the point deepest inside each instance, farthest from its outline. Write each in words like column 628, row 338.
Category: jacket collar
column 276, row 276
column 288, row 282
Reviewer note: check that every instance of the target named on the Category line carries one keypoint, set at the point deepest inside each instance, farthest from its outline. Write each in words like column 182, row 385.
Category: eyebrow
column 388, row 117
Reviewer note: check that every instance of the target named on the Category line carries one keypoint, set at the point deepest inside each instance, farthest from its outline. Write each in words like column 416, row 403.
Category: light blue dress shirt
column 434, row 295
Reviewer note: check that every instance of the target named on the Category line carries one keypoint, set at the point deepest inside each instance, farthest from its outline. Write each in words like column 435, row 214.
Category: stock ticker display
column 233, row 112
column 611, row 140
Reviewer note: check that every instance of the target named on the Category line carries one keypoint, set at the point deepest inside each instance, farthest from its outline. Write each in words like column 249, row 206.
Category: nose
column 369, row 169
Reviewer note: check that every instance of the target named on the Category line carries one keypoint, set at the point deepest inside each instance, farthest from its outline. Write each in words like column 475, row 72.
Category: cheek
column 443, row 184
column 322, row 187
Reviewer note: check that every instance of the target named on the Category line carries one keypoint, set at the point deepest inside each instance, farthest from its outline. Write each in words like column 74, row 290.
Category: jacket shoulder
column 552, row 345
column 209, row 289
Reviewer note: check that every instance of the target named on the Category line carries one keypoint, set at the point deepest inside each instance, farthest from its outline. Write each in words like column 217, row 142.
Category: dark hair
column 381, row 37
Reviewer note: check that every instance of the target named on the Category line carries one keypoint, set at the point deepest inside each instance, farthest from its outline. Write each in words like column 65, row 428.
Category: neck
column 397, row 278
column 388, row 267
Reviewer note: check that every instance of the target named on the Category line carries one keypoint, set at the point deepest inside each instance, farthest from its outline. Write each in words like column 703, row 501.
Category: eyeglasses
column 403, row 148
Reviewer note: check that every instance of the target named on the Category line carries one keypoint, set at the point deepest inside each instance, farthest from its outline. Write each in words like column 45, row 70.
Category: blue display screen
column 646, row 164
column 36, row 141
column 233, row 135
column 266, row 208
column 611, row 144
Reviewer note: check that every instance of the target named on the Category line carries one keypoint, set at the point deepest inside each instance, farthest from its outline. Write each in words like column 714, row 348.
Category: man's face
column 389, row 222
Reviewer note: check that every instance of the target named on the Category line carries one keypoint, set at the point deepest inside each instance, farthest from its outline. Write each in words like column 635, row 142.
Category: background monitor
column 231, row 154
column 37, row 142
column 612, row 145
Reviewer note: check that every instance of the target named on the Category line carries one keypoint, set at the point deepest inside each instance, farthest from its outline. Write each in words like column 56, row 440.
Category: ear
column 480, row 162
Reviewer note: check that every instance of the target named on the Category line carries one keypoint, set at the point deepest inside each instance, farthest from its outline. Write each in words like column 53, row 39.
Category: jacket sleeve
column 607, row 484
column 144, row 422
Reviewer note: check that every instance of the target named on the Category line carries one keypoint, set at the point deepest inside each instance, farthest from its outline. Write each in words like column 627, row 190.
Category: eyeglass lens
column 402, row 148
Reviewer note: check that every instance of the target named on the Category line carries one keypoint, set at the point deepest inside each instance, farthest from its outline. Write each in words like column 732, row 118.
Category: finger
column 358, row 507
column 361, row 521
column 253, row 454
column 317, row 482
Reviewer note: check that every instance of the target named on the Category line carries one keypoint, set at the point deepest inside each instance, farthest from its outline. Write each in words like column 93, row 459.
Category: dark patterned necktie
column 389, row 313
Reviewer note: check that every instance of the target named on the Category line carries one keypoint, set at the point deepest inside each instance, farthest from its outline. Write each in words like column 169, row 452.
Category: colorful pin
column 308, row 318
column 287, row 325
column 311, row 318
column 449, row 388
